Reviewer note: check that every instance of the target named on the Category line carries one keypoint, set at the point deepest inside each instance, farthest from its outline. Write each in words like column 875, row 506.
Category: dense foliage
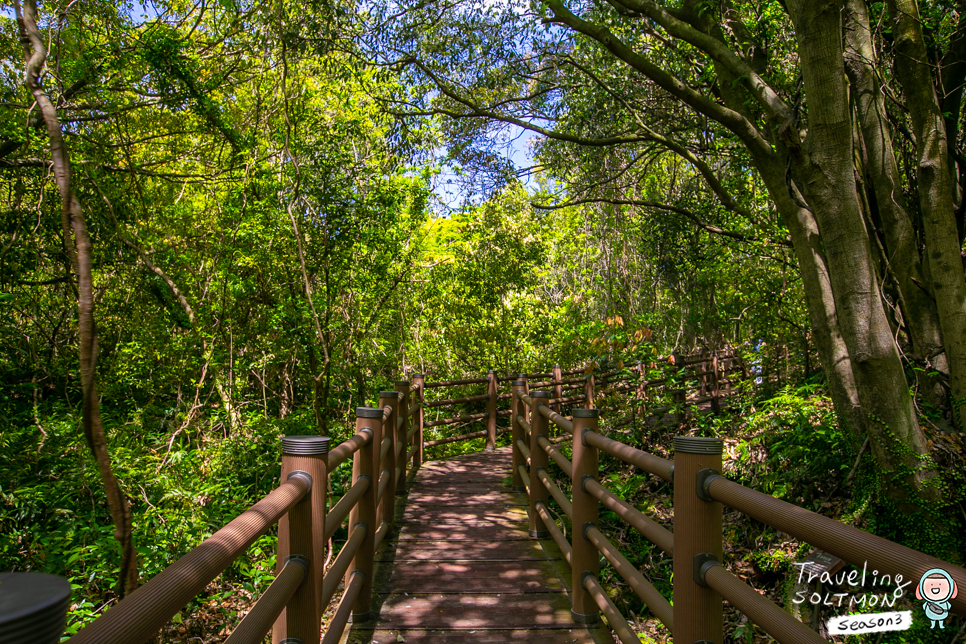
column 259, row 183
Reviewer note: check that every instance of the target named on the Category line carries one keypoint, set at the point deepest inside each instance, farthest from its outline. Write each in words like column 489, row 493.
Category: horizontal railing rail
column 695, row 544
column 292, row 605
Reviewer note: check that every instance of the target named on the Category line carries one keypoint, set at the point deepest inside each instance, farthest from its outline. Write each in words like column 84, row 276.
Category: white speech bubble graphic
column 870, row 623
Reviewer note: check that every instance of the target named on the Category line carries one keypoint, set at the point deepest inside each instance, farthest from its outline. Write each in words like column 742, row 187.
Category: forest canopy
column 223, row 222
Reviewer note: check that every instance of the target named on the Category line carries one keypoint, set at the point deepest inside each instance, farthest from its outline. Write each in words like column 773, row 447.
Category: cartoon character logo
column 936, row 587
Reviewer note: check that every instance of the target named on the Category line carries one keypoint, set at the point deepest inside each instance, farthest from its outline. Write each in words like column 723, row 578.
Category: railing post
column 387, row 504
column 517, row 408
column 401, row 433
column 526, row 390
column 538, row 459
column 697, row 538
column 715, row 395
column 491, row 390
column 703, row 391
column 35, row 607
column 681, row 395
column 585, row 559
column 302, row 537
column 367, row 420
column 418, row 386
column 589, row 391
column 557, row 389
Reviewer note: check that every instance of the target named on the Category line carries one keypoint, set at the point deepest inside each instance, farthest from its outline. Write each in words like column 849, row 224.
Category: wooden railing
column 292, row 606
column 700, row 581
column 389, row 437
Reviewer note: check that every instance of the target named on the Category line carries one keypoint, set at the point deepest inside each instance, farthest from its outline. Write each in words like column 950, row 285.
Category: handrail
column 524, row 450
column 556, row 493
column 384, row 477
column 845, row 542
column 522, row 469
column 341, row 617
column 648, row 462
column 773, row 620
column 459, row 419
column 524, row 424
column 384, row 446
column 463, row 437
column 415, row 409
column 453, row 383
column 266, row 610
column 551, row 383
column 617, row 622
column 386, row 413
column 556, row 455
column 381, row 533
column 554, row 531
column 556, row 418
column 140, row 615
column 647, row 527
column 642, row 587
column 340, row 510
column 456, row 401
column 347, row 448
column 334, row 575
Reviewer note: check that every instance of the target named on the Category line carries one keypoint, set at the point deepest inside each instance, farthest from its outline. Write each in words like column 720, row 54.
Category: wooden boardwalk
column 462, row 568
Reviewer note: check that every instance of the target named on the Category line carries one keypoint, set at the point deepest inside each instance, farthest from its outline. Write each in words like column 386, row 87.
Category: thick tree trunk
column 902, row 255
column 81, row 261
column 942, row 247
column 807, row 244
column 825, row 165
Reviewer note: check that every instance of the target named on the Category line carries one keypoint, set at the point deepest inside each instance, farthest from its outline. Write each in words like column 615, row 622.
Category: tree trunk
column 942, row 247
column 902, row 256
column 826, row 167
column 807, row 244
column 72, row 218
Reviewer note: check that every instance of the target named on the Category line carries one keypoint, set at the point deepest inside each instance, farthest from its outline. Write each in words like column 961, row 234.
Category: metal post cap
column 519, row 383
column 305, row 445
column 586, row 413
column 369, row 412
column 387, row 394
column 539, row 394
column 402, row 383
column 491, row 370
column 33, row 607
column 695, row 445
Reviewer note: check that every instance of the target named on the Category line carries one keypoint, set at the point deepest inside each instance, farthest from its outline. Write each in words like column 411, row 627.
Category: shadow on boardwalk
column 461, row 566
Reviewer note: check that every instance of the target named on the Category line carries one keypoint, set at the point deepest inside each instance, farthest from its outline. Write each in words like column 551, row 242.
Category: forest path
column 461, row 566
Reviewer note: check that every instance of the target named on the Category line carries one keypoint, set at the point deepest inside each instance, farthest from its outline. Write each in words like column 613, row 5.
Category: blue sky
column 517, row 148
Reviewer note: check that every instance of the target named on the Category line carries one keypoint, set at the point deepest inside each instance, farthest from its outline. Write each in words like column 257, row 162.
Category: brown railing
column 700, row 583
column 292, row 606
column 710, row 372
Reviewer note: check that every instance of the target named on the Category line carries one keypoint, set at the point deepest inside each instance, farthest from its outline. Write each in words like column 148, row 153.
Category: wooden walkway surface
column 461, row 566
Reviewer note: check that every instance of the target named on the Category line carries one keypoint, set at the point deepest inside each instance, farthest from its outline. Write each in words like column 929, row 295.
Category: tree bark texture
column 943, row 251
column 902, row 255
column 72, row 219
column 825, row 165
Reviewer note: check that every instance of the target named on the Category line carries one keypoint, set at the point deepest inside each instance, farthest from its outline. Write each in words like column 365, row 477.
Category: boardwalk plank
column 462, row 567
